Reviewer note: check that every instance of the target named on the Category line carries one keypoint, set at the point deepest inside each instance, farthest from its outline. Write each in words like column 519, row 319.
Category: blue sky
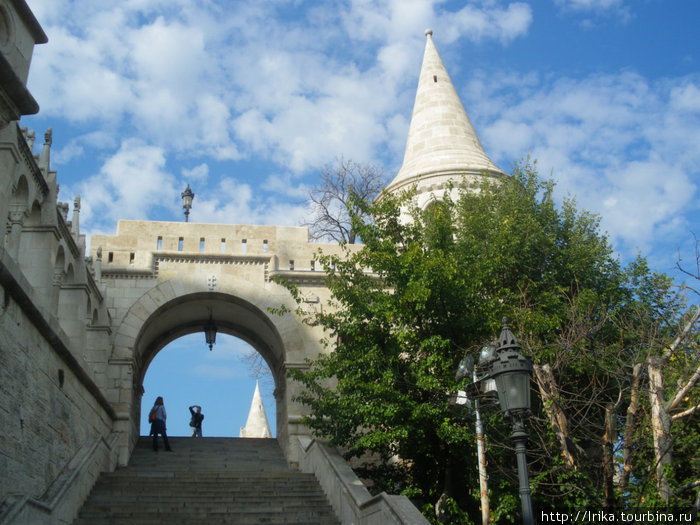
column 245, row 100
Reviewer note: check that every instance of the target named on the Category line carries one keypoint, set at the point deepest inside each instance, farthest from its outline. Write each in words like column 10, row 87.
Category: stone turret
column 442, row 145
column 256, row 426
column 45, row 158
column 19, row 32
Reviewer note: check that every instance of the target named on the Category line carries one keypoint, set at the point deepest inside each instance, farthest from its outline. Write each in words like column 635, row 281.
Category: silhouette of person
column 196, row 421
column 158, row 424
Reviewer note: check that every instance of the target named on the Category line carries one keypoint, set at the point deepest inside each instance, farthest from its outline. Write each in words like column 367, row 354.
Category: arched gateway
column 164, row 280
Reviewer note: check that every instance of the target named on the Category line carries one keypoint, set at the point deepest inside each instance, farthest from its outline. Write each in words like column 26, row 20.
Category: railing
column 59, row 505
column 351, row 501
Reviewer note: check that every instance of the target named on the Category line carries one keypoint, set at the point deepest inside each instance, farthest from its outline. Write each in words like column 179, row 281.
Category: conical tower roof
column 256, row 426
column 441, row 140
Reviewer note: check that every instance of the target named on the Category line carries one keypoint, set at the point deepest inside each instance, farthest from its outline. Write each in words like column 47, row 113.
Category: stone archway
column 231, row 315
column 178, row 307
column 160, row 280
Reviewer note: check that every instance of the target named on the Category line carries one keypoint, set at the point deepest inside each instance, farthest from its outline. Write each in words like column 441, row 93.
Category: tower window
column 435, row 78
column 223, row 245
column 160, row 243
column 244, row 246
column 180, row 244
column 201, row 244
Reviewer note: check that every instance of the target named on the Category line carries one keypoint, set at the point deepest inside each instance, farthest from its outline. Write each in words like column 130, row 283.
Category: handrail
column 351, row 501
column 56, row 506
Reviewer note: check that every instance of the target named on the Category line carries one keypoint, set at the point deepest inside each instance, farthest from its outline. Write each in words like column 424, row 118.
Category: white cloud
column 591, row 5
column 204, row 79
column 480, row 23
column 686, row 98
column 597, row 8
column 234, row 202
column 129, row 184
column 625, row 147
column 198, row 173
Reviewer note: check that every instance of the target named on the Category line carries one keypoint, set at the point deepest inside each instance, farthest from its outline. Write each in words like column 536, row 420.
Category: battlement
column 136, row 243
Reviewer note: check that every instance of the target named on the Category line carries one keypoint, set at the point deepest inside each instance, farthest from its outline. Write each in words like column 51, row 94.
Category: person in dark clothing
column 157, row 416
column 196, row 420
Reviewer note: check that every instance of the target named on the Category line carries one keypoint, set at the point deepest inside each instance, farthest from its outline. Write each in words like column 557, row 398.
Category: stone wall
column 46, row 411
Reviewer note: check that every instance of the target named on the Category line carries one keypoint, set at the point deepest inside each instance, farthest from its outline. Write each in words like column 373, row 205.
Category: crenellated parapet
column 143, row 248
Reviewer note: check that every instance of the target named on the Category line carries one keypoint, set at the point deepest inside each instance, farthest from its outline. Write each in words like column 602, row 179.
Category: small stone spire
column 256, row 426
column 98, row 264
column 45, row 159
column 442, row 143
column 75, row 223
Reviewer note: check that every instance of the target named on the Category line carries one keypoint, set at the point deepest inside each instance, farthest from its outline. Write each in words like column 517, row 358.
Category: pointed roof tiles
column 441, row 139
column 256, row 426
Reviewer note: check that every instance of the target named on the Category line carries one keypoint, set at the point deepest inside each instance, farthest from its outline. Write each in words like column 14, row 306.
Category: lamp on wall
column 187, row 197
column 210, row 332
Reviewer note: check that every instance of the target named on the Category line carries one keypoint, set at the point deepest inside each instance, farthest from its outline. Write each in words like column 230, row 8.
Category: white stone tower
column 442, row 145
column 256, row 426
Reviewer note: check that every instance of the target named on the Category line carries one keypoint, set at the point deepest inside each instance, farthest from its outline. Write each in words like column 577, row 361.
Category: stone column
column 56, row 283
column 16, row 220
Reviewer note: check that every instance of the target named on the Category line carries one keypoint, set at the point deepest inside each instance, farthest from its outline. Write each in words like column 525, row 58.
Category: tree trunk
column 661, row 428
column 630, row 427
column 549, row 392
column 608, row 460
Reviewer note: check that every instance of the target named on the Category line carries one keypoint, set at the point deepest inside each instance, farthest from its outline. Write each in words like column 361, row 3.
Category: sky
column 246, row 100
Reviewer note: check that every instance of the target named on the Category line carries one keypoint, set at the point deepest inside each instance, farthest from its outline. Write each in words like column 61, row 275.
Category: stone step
column 207, row 481
column 208, row 520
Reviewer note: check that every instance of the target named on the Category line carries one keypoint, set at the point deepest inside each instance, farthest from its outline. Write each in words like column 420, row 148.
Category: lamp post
column 187, row 197
column 467, row 369
column 511, row 371
column 507, row 372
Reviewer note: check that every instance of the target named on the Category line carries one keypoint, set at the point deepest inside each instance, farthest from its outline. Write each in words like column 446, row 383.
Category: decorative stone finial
column 76, row 202
column 48, row 136
column 63, row 209
column 428, row 32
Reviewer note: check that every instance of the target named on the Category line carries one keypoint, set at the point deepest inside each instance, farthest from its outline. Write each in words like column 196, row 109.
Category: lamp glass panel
column 513, row 390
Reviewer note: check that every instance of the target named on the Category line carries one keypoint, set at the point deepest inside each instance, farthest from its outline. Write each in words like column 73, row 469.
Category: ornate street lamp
column 507, row 372
column 210, row 332
column 511, row 371
column 187, row 197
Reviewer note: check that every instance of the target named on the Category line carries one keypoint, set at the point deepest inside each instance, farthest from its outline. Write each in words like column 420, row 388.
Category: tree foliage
column 417, row 296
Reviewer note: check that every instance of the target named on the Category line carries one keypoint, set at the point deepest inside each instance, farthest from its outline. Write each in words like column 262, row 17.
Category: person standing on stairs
column 196, row 421
column 157, row 417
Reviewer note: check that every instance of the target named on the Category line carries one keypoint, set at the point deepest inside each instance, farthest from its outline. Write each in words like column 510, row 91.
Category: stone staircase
column 207, row 481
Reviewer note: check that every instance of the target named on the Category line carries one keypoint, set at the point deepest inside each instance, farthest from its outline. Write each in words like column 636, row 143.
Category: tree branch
column 684, row 391
column 681, row 337
column 685, row 413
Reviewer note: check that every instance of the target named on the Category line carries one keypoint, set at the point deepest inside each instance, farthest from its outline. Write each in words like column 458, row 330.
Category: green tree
column 416, row 296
